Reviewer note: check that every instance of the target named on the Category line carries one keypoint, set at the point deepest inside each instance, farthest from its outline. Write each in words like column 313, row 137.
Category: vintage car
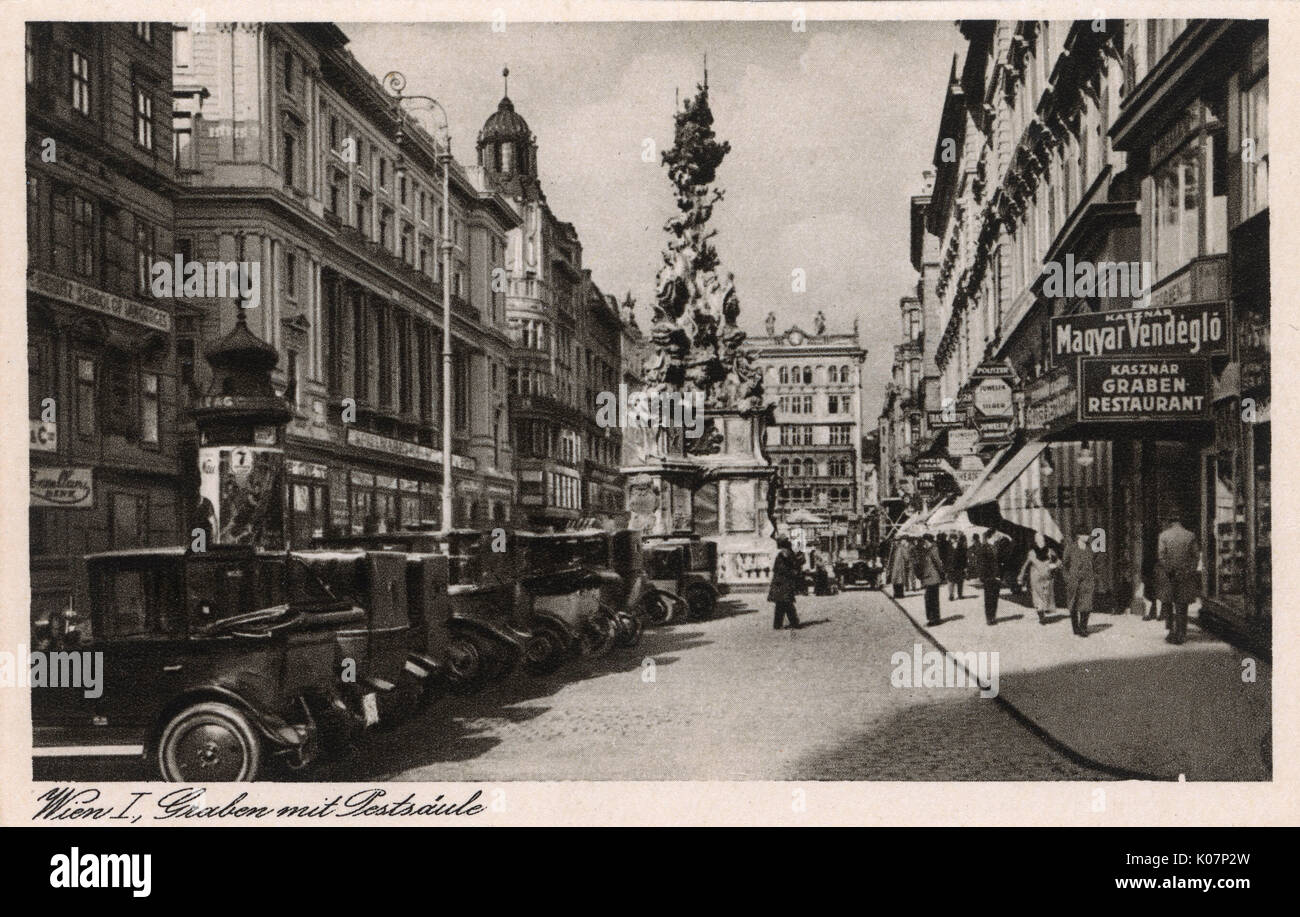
column 200, row 673
column 616, row 558
column 461, row 595
column 562, row 595
column 685, row 571
column 370, row 623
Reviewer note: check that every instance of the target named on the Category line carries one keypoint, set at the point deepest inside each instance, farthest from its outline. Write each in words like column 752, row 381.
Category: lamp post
column 395, row 83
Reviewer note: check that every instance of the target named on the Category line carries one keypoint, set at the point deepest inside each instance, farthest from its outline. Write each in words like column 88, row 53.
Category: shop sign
column 44, row 435
column 1125, row 389
column 1189, row 330
column 929, row 464
column 409, row 486
column 79, row 294
column 963, row 441
column 994, row 370
column 307, row 469
column 1050, row 399
column 70, row 488
column 944, row 420
column 401, row 447
column 993, row 398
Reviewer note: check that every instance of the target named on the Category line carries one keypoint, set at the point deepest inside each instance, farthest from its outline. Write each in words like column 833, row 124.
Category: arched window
column 785, row 375
column 809, row 468
column 807, row 375
column 844, row 374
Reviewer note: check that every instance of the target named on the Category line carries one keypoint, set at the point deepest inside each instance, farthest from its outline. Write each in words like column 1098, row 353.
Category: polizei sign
column 1191, row 330
column 1124, row 388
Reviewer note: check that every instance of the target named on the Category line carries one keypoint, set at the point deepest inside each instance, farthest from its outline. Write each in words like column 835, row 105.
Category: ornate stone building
column 289, row 154
column 101, row 349
column 567, row 339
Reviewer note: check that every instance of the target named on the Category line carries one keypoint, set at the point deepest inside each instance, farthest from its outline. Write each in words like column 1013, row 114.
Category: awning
column 919, row 522
column 965, row 501
column 993, row 486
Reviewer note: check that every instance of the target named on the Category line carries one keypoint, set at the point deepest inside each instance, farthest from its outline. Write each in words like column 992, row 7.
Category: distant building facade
column 814, row 378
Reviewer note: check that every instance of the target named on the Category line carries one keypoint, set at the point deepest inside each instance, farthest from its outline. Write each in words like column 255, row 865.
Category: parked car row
column 220, row 665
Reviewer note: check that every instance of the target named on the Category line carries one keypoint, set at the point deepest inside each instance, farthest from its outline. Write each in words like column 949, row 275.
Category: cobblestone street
column 725, row 699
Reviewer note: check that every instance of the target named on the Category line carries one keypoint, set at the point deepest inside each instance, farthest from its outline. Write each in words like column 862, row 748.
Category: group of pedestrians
column 926, row 562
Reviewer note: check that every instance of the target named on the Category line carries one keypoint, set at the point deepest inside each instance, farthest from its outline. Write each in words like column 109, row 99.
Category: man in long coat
column 986, row 566
column 1079, row 567
column 1179, row 555
column 785, row 583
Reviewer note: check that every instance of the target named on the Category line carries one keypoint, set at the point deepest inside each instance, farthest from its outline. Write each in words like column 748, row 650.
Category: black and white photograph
column 764, row 396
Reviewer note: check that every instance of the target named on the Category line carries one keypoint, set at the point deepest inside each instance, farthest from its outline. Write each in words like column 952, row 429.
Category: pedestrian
column 929, row 569
column 1080, row 579
column 785, row 581
column 957, row 566
column 987, row 569
column 945, row 553
column 900, row 566
column 1038, row 574
column 1178, row 552
column 1157, row 586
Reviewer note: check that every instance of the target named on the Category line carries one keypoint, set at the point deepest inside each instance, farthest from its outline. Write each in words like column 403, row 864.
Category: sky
column 830, row 130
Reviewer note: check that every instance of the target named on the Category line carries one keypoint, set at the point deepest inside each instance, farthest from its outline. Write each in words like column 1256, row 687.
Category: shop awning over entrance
column 994, row 485
column 966, row 500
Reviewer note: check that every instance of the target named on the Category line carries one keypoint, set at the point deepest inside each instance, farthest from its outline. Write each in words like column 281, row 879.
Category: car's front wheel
column 209, row 742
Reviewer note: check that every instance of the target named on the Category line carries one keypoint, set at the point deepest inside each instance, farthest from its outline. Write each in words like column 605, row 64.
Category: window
column 80, row 83
column 401, row 190
column 807, row 375
column 385, row 229
column 118, row 402
column 83, row 235
column 288, row 71
column 85, row 397
column 149, row 407
column 290, row 153
column 363, row 213
column 144, row 31
column 182, row 47
column 290, row 274
column 1253, row 145
column 1177, row 206
column 334, row 134
column 383, row 172
column 145, row 255
column 423, row 207
column 407, row 244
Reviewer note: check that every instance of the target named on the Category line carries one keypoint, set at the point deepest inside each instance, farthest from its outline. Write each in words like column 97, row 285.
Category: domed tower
column 506, row 147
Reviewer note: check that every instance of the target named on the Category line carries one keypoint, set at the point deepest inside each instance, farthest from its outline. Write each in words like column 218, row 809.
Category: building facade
column 567, row 340
column 1101, row 185
column 293, row 157
column 815, row 441
column 101, row 350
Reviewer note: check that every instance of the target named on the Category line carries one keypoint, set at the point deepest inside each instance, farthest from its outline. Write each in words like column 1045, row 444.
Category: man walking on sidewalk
column 1080, row 580
column 1178, row 553
column 929, row 569
column 785, row 576
column 987, row 567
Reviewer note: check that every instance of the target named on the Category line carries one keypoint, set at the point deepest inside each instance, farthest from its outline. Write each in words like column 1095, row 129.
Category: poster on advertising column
column 1135, row 389
column 241, row 489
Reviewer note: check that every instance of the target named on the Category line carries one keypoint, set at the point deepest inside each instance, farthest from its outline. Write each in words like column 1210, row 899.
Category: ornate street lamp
column 395, row 83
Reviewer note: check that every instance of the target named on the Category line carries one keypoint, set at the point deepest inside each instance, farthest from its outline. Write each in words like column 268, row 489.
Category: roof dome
column 504, row 124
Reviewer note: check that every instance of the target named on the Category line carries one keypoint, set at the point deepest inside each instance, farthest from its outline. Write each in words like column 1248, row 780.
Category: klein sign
column 1192, row 330
column 1127, row 389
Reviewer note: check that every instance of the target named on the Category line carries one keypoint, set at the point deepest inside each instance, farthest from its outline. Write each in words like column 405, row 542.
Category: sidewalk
column 1122, row 697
